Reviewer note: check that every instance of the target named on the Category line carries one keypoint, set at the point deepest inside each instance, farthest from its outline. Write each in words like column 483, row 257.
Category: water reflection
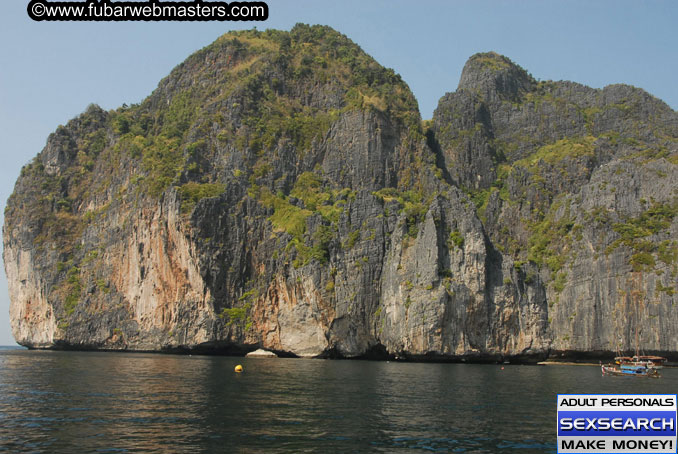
column 79, row 402
column 103, row 402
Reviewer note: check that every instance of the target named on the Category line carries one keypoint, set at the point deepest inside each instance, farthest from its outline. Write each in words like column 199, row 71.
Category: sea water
column 73, row 402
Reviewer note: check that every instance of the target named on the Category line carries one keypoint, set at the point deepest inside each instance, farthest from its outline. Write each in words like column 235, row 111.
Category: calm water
column 64, row 402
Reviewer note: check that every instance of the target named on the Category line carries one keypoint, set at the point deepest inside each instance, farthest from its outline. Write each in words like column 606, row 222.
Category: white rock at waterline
column 261, row 353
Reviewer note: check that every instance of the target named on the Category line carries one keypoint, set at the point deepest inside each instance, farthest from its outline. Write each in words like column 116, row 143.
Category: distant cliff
column 279, row 190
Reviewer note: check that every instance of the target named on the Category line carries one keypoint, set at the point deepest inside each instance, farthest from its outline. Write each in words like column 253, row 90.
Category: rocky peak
column 63, row 145
column 494, row 76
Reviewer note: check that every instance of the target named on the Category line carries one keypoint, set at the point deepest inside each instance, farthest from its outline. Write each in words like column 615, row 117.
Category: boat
column 656, row 362
column 627, row 362
column 628, row 370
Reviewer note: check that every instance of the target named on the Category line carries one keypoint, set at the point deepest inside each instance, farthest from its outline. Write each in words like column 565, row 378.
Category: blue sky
column 50, row 72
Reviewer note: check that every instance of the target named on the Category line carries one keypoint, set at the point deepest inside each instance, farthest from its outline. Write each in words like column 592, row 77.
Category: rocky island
column 279, row 190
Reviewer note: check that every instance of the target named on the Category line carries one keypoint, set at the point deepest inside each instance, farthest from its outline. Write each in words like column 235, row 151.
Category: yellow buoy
column 238, row 368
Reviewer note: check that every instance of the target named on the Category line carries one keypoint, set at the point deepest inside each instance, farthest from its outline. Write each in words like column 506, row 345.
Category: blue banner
column 616, row 423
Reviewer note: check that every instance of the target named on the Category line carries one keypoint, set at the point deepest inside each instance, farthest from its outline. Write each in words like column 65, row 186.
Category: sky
column 51, row 71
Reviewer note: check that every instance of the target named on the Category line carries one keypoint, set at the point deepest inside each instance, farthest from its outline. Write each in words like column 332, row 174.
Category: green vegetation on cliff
column 636, row 235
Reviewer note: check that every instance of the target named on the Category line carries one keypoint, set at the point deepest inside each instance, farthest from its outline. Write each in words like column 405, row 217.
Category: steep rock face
column 278, row 190
column 461, row 297
column 577, row 185
column 32, row 320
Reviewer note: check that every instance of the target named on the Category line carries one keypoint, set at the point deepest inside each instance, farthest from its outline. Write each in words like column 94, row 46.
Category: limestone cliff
column 579, row 186
column 279, row 190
